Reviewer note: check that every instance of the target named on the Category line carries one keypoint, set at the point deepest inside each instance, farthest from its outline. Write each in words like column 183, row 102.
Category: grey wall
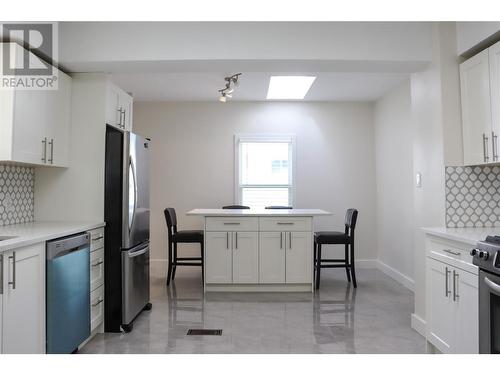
column 16, row 194
column 193, row 160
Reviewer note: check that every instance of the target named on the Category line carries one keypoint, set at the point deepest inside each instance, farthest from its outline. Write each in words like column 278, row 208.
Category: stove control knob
column 473, row 252
column 484, row 255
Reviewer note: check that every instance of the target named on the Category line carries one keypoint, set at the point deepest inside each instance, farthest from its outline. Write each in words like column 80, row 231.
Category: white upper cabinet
column 476, row 109
column 480, row 94
column 35, row 124
column 494, row 57
column 119, row 106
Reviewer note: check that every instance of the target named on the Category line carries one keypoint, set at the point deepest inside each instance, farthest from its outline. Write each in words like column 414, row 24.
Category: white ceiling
column 198, row 86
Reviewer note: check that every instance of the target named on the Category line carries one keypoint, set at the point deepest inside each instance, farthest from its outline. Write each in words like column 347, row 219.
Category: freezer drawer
column 135, row 281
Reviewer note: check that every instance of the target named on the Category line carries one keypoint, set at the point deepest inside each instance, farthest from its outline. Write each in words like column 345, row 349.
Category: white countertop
column 35, row 232
column 466, row 235
column 256, row 212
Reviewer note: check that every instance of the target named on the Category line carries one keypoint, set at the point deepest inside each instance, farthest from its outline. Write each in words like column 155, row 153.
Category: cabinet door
column 29, row 127
column 440, row 305
column 245, row 257
column 272, row 257
column 218, row 258
column 58, row 112
column 24, row 302
column 467, row 312
column 126, row 103
column 299, row 257
column 96, row 269
column 476, row 109
column 113, row 114
column 494, row 57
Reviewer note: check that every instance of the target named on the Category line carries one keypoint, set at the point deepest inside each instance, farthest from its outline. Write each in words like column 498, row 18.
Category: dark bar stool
column 279, row 208
column 235, row 207
column 183, row 236
column 345, row 238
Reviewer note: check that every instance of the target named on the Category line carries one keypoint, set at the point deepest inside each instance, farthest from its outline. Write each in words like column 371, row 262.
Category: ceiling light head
column 289, row 87
column 231, row 83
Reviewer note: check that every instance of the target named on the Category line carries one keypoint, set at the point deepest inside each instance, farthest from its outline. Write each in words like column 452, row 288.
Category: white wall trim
column 396, row 275
column 418, row 324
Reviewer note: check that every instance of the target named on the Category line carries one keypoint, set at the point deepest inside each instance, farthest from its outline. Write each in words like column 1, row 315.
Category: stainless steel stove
column 486, row 256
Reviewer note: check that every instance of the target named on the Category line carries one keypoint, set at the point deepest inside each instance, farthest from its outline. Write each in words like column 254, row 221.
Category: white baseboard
column 418, row 324
column 396, row 275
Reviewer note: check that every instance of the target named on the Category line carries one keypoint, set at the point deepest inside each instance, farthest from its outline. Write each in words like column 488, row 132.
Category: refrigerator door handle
column 134, row 186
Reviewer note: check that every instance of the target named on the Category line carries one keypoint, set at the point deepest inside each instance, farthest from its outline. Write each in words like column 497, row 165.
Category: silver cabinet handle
column 280, row 223
column 51, row 160
column 446, row 291
column 1, row 274
column 232, row 223
column 494, row 139
column 281, row 240
column 485, row 148
column 290, row 243
column 227, row 240
column 13, row 282
column 236, row 237
column 97, row 238
column 124, row 119
column 120, row 118
column 97, row 264
column 451, row 252
column 97, row 303
column 44, row 155
column 455, row 278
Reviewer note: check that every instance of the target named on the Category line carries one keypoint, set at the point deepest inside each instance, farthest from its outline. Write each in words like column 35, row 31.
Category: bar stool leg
column 175, row 261
column 170, row 255
column 353, row 272
column 318, row 267
column 347, row 263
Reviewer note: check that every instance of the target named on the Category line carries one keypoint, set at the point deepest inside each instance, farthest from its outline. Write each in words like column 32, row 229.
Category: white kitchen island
column 258, row 250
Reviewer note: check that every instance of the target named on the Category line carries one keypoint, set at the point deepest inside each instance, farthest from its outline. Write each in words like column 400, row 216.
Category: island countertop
column 256, row 212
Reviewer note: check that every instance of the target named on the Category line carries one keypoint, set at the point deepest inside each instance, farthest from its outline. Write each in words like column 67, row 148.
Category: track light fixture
column 231, row 83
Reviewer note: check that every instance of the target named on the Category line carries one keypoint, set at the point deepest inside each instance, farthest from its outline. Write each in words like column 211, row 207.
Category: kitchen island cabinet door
column 299, row 257
column 218, row 257
column 272, row 258
column 245, row 257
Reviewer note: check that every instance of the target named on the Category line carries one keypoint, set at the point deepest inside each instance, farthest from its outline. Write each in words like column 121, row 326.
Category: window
column 264, row 170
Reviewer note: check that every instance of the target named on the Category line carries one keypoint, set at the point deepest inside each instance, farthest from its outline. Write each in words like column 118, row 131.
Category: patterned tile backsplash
column 472, row 196
column 17, row 193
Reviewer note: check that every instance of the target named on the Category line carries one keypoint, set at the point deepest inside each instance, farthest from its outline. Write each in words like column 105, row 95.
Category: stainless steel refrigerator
column 126, row 214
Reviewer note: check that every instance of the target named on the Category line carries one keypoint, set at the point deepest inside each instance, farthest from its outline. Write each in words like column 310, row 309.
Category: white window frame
column 261, row 138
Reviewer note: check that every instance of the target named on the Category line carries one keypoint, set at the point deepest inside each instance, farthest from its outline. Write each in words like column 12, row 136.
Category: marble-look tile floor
column 374, row 318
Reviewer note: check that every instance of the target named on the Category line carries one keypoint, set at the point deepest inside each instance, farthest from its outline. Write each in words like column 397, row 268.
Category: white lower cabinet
column 245, row 257
column 452, row 301
column 23, row 300
column 219, row 258
column 272, row 248
column 299, row 257
column 96, row 308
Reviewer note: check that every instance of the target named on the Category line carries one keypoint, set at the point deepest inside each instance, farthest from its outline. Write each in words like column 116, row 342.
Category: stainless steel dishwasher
column 68, row 293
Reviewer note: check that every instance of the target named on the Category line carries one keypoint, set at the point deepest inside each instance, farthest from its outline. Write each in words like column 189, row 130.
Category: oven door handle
column 493, row 286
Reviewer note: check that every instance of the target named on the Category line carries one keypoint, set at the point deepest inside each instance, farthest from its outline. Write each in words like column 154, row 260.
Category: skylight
column 289, row 87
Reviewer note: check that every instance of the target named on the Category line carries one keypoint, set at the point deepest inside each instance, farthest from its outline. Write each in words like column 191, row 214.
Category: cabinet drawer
column 285, row 224
column 96, row 307
column 96, row 269
column 96, row 239
column 451, row 252
column 232, row 224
